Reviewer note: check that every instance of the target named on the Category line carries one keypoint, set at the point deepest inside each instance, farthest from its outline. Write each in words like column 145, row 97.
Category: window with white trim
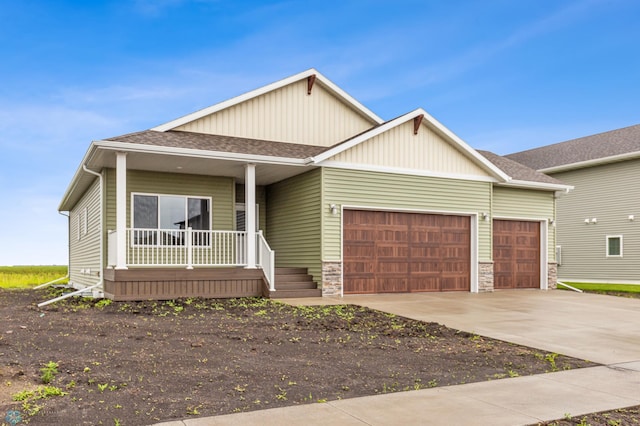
column 85, row 228
column 161, row 219
column 614, row 245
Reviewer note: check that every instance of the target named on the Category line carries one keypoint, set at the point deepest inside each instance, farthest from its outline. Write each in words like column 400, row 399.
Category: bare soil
column 139, row 363
column 629, row 416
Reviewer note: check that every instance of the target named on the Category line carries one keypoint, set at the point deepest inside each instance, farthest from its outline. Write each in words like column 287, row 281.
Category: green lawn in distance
column 30, row 276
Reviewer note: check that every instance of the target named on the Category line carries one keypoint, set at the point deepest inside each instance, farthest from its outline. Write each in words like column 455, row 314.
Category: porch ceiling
column 171, row 163
column 268, row 170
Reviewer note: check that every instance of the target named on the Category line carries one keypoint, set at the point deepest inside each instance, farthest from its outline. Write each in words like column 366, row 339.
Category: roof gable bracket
column 310, row 80
column 416, row 123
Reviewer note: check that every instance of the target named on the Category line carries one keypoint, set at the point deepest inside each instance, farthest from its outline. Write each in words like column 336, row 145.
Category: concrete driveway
column 603, row 329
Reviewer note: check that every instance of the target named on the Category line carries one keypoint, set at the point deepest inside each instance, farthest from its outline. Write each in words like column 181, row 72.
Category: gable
column 399, row 148
column 287, row 114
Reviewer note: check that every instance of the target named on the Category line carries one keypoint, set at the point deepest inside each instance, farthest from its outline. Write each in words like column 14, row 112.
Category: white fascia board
column 537, row 185
column 76, row 176
column 198, row 153
column 266, row 89
column 402, row 171
column 466, row 149
column 591, row 163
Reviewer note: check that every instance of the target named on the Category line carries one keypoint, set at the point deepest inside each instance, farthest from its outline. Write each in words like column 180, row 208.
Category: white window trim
column 243, row 208
column 608, row 237
column 132, row 215
column 85, row 228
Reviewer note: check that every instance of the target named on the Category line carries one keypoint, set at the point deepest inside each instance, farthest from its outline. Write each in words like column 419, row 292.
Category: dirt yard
column 140, row 363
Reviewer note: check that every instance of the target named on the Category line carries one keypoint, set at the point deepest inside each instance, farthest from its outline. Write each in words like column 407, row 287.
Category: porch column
column 250, row 213
column 121, row 210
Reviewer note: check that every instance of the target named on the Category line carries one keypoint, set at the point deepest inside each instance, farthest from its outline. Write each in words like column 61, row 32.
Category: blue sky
column 504, row 75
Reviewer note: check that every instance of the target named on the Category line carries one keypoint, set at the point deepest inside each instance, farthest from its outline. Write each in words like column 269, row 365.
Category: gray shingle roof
column 220, row 143
column 602, row 145
column 519, row 171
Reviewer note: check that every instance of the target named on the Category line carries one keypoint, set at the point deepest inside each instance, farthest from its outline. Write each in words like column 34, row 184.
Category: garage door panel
column 411, row 252
column 516, row 254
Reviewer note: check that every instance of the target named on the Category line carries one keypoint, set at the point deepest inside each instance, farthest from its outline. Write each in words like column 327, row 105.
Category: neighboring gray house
column 598, row 223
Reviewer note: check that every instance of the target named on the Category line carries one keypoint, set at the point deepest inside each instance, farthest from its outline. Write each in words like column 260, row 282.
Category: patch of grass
column 30, row 276
column 625, row 288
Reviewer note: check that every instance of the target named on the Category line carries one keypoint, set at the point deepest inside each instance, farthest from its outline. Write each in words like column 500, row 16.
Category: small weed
column 116, row 422
column 282, row 396
column 552, row 360
column 513, row 373
column 49, row 372
column 193, row 410
column 102, row 303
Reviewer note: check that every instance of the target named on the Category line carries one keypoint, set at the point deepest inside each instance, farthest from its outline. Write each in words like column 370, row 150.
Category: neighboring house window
column 614, row 245
column 159, row 219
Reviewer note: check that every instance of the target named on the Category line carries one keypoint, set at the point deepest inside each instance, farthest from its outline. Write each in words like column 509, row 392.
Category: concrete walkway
column 602, row 329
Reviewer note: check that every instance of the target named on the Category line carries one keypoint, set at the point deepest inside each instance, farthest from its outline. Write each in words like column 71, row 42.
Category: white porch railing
column 183, row 247
column 189, row 248
column 266, row 260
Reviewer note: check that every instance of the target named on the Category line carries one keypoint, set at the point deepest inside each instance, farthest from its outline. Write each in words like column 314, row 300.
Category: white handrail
column 266, row 260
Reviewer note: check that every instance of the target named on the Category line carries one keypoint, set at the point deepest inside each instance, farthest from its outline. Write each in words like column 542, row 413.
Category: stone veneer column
column 331, row 278
column 485, row 276
column 552, row 275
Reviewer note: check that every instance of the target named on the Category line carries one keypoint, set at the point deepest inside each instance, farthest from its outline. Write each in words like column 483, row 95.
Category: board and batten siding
column 84, row 248
column 287, row 114
column 524, row 204
column 402, row 192
column 400, row 148
column 294, row 223
column 609, row 193
column 220, row 189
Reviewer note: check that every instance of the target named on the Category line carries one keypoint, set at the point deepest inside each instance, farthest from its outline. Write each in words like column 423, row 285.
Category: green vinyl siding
column 220, row 189
column 609, row 193
column 84, row 252
column 398, row 191
column 293, row 221
column 526, row 204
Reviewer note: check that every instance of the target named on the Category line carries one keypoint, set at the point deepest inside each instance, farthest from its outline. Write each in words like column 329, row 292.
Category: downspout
column 100, row 227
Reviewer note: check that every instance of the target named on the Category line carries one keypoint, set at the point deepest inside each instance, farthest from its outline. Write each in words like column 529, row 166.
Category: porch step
column 294, row 282
column 290, row 294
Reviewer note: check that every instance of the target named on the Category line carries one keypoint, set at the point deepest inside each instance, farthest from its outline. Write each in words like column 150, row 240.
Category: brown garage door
column 391, row 252
column 516, row 254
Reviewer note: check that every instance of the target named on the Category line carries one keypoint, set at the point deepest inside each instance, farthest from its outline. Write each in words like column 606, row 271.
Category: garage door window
column 614, row 245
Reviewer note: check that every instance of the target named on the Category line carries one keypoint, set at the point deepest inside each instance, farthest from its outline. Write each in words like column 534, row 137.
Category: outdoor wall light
column 594, row 220
column 631, row 218
column 587, row 221
column 552, row 221
column 333, row 208
column 485, row 216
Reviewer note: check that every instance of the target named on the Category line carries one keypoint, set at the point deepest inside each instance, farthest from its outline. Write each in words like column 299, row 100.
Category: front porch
column 172, row 283
column 170, row 263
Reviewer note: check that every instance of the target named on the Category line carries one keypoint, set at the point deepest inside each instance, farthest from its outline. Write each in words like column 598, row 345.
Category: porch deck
column 172, row 283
